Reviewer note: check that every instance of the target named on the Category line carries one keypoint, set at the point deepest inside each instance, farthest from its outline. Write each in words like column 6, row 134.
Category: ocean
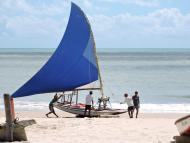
column 161, row 76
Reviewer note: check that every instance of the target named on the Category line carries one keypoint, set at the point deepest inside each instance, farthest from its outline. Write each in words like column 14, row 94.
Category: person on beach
column 89, row 102
column 55, row 98
column 130, row 105
column 136, row 102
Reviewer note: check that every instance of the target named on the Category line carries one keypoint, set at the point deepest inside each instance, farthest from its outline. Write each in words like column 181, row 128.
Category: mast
column 100, row 79
column 94, row 49
column 95, row 53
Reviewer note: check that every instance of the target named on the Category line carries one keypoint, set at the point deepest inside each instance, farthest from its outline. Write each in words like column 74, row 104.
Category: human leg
column 50, row 108
column 55, row 114
column 53, row 111
column 85, row 110
column 137, row 111
column 129, row 112
column 89, row 108
column 132, row 110
column 48, row 114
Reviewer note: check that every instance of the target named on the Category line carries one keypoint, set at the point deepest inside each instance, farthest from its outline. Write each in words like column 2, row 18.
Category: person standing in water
column 136, row 102
column 130, row 105
column 55, row 98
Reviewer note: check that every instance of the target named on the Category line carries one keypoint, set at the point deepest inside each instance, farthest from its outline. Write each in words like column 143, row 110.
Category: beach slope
column 148, row 128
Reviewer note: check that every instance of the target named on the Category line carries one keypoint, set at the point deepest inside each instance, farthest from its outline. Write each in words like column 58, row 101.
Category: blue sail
column 72, row 65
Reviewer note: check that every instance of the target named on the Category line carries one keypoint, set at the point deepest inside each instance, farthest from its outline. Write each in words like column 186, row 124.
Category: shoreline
column 62, row 114
column 145, row 108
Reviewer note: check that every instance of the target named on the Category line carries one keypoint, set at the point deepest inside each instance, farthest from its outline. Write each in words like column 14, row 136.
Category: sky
column 115, row 23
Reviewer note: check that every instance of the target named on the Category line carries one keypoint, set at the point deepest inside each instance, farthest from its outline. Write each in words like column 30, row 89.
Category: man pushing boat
column 89, row 101
column 55, row 98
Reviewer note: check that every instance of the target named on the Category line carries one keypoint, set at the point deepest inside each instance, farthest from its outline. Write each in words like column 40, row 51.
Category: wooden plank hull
column 183, row 125
column 94, row 113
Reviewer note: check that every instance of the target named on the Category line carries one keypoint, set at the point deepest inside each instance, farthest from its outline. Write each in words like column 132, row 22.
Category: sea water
column 161, row 76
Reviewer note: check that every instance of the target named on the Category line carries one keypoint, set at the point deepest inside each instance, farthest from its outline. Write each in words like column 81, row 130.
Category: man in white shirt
column 130, row 105
column 89, row 101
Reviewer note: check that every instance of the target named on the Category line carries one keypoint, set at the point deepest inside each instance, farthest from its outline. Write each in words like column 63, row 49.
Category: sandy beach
column 148, row 128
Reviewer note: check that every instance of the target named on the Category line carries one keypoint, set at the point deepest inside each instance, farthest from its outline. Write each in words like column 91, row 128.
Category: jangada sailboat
column 72, row 67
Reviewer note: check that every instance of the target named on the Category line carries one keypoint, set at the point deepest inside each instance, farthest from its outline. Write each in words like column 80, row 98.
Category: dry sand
column 148, row 128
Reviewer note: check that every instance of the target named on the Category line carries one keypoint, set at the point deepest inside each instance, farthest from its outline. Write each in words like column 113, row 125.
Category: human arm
column 124, row 101
column 138, row 102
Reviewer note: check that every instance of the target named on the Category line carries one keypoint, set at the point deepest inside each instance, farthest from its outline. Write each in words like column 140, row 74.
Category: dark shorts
column 87, row 107
column 51, row 108
column 130, row 108
column 136, row 107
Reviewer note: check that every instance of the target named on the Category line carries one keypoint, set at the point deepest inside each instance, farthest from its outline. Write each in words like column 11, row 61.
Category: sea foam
column 144, row 108
column 158, row 108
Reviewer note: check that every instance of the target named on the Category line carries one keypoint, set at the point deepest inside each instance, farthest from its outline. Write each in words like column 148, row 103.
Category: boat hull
column 94, row 113
column 183, row 125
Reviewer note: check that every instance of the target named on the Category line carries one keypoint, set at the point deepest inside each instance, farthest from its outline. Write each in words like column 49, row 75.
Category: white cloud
column 87, row 3
column 163, row 22
column 22, row 19
column 144, row 3
column 41, row 8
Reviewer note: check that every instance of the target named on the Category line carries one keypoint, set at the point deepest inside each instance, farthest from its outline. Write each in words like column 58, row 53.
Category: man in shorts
column 130, row 105
column 55, row 98
column 89, row 102
column 136, row 102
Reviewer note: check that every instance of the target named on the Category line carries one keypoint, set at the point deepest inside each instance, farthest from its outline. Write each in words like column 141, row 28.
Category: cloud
column 144, row 3
column 87, row 3
column 164, row 22
column 37, row 8
column 23, row 19
column 26, row 19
